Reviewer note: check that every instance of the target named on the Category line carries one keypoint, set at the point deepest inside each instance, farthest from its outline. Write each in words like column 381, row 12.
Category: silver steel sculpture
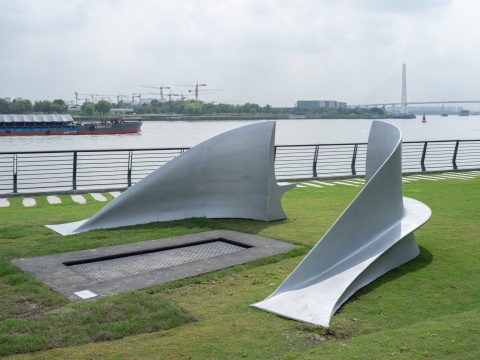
column 231, row 175
column 372, row 236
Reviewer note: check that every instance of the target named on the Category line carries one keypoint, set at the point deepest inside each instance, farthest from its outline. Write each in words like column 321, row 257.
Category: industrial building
column 317, row 104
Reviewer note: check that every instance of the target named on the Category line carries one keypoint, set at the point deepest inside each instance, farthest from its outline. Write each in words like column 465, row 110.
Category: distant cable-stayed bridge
column 404, row 103
column 418, row 103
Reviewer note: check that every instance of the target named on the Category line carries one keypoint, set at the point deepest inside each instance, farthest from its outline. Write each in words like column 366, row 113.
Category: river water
column 174, row 134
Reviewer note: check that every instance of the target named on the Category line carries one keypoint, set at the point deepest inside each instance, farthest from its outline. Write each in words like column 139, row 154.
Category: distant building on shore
column 317, row 104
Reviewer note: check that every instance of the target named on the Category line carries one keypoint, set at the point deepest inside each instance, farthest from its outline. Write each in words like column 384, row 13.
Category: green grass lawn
column 428, row 308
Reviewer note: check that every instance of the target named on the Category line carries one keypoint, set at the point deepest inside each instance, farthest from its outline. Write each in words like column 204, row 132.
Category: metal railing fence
column 77, row 170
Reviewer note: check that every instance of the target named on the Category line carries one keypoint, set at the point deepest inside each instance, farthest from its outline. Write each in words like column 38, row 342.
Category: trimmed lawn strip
column 451, row 336
column 86, row 322
column 427, row 308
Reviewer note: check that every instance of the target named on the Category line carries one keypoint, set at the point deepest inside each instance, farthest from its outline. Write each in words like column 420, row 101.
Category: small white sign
column 85, row 294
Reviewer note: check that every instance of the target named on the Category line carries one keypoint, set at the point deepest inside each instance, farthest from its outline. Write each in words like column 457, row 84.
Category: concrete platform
column 94, row 273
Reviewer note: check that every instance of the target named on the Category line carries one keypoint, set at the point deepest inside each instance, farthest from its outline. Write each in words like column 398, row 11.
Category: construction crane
column 91, row 95
column 170, row 96
column 197, row 90
column 182, row 96
column 157, row 87
column 104, row 96
column 119, row 96
column 206, row 92
column 139, row 96
column 76, row 97
column 197, row 85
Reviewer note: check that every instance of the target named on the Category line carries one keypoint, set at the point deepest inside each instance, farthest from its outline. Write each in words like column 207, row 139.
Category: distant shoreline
column 204, row 117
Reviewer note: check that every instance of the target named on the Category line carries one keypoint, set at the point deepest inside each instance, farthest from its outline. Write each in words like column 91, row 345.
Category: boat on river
column 59, row 124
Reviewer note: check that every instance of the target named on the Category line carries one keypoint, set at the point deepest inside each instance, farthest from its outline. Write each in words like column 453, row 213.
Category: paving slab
column 345, row 183
column 446, row 176
column 29, row 202
column 355, row 182
column 54, row 199
column 323, row 183
column 79, row 199
column 311, row 184
column 98, row 197
column 424, row 177
column 461, row 175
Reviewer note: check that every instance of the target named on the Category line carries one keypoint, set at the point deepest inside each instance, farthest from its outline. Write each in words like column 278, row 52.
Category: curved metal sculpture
column 372, row 236
column 231, row 175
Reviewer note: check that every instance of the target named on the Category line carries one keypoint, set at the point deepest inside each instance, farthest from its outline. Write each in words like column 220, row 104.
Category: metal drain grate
column 120, row 267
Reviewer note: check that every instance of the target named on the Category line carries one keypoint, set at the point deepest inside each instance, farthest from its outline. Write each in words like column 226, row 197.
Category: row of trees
column 194, row 108
column 201, row 108
column 154, row 107
column 26, row 107
column 339, row 113
column 102, row 107
column 57, row 106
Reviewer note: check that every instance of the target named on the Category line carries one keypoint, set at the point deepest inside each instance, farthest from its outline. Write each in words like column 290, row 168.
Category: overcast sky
column 262, row 51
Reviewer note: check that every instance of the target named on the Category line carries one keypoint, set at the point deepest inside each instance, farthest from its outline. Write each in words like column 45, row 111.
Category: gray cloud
column 265, row 52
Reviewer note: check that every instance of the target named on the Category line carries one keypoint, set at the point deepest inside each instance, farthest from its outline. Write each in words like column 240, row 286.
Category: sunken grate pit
column 97, row 272
column 124, row 265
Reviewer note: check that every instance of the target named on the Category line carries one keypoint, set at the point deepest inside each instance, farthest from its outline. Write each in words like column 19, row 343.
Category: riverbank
column 257, row 117
column 154, row 117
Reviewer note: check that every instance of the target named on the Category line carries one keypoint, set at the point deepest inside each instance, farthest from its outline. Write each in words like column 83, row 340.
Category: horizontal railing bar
column 45, row 178
column 88, row 151
column 124, row 167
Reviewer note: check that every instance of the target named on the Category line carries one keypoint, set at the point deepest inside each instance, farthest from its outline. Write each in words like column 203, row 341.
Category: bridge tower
column 404, row 89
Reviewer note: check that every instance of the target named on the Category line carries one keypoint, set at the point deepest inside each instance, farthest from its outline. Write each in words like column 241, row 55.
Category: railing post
column 130, row 165
column 423, row 156
column 354, row 159
column 454, row 160
column 15, row 178
column 74, row 171
column 315, row 158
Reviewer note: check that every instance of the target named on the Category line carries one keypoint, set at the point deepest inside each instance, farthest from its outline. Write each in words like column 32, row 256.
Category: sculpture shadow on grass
column 372, row 236
column 231, row 175
column 421, row 261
